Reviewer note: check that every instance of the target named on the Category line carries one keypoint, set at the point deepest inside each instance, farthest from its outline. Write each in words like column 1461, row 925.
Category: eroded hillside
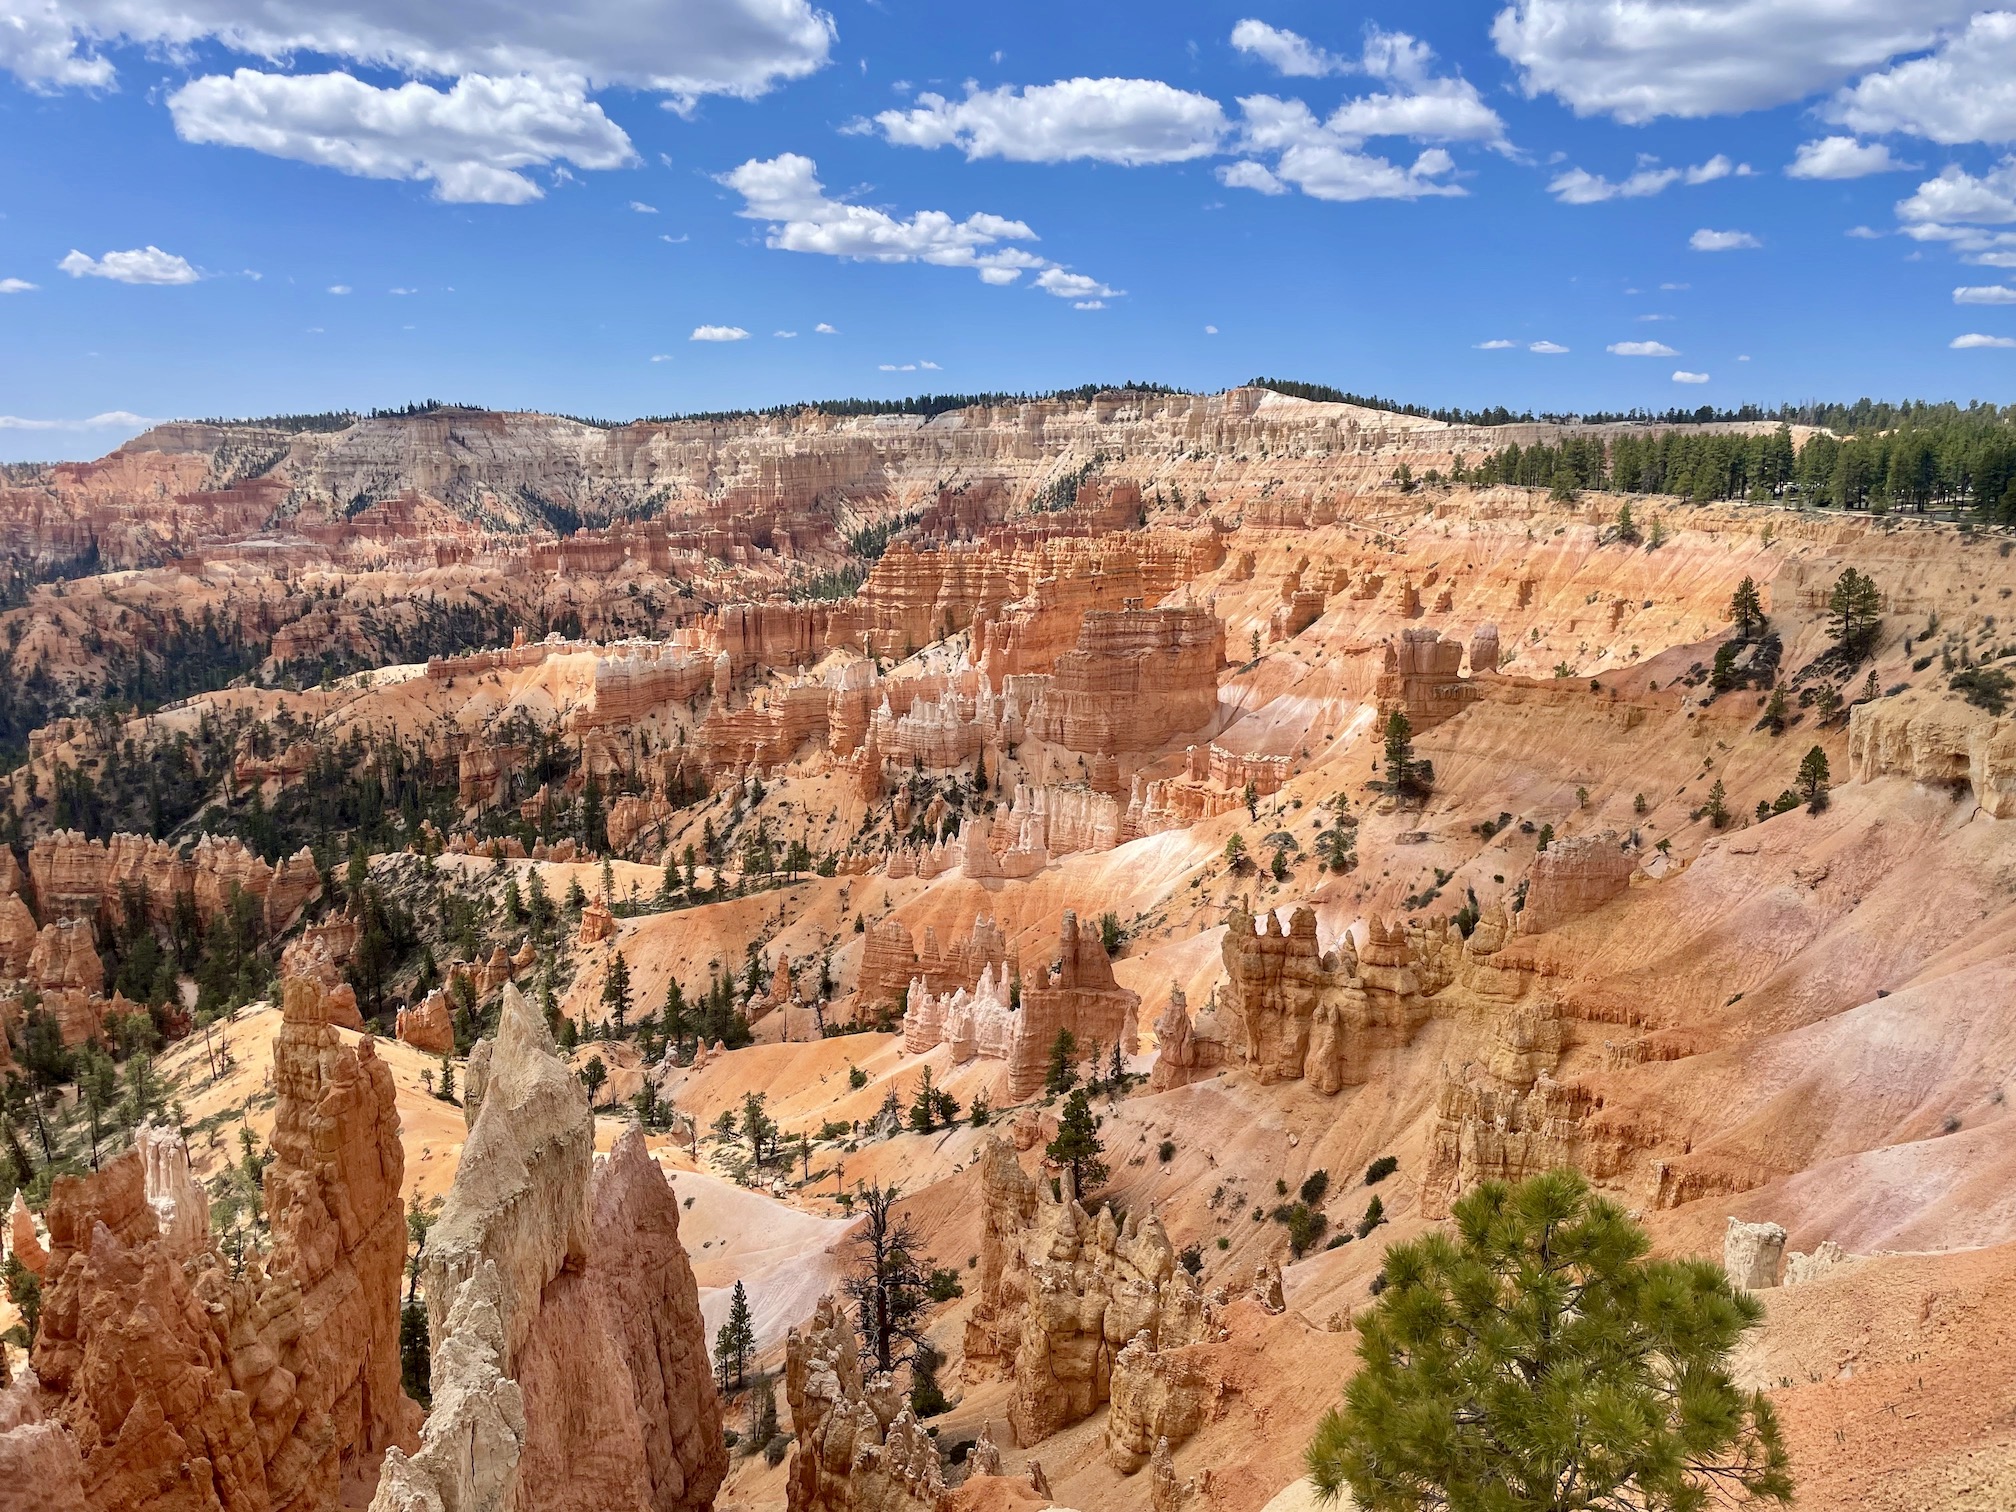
column 846, row 787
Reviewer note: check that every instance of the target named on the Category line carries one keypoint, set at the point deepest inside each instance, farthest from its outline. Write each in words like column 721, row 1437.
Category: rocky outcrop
column 1801, row 1268
column 75, row 878
column 651, row 1305
column 65, row 958
column 857, row 1448
column 1076, row 992
column 1296, row 1011
column 430, row 1026
column 1574, row 877
column 187, row 1382
column 1183, row 1053
column 574, row 1292
column 181, row 1207
column 23, row 1243
column 597, row 922
column 17, row 934
column 1064, row 1295
column 1937, row 741
column 339, row 1231
column 475, row 1434
column 1500, row 1114
column 1751, row 1253
column 1136, row 678
column 39, row 1467
column 1421, row 677
column 1159, row 1396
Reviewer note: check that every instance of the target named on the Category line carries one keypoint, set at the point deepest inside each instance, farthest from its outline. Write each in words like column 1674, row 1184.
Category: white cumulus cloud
column 1073, row 285
column 1126, row 121
column 1499, row 345
column 472, row 141
column 1286, row 52
column 1705, row 240
column 15, row 286
column 1579, row 187
column 1547, row 348
column 784, row 335
column 1637, row 60
column 1957, row 195
column 1975, row 339
column 785, row 191
column 1965, row 91
column 718, row 333
column 1326, row 158
column 823, row 329
column 1988, row 294
column 1250, row 175
column 1841, row 157
column 1641, row 349
column 143, row 265
column 643, row 209
column 1683, row 376
column 681, row 48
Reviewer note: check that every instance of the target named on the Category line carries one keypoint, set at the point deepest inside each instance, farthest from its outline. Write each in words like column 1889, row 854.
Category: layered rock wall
column 1574, row 877
column 1938, row 742
column 562, row 1308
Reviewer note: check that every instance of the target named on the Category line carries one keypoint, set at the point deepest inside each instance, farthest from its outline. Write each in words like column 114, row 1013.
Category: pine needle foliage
column 1538, row 1361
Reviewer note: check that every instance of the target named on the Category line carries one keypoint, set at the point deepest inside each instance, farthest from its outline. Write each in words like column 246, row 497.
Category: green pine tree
column 1063, row 1073
column 1077, row 1144
column 1537, row 1361
column 616, row 991
column 735, row 1341
column 1813, row 776
column 1746, row 610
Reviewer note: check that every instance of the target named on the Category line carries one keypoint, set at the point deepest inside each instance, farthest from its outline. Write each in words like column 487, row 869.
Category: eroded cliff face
column 1937, row 742
column 187, row 1382
column 563, row 1312
column 857, row 1448
column 1080, row 1310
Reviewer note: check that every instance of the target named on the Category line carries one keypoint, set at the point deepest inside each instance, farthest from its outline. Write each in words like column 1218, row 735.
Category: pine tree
column 924, row 1108
column 1404, row 774
column 1537, row 1361
column 1063, row 1073
column 1813, row 776
column 888, row 1283
column 593, row 1075
column 1855, row 606
column 616, row 991
column 758, row 1127
column 1776, row 711
column 1077, row 1144
column 1717, row 807
column 446, row 1086
column 735, row 1341
column 675, row 1014
column 1746, row 609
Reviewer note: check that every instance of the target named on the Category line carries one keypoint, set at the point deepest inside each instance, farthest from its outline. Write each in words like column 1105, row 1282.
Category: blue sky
column 1701, row 203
